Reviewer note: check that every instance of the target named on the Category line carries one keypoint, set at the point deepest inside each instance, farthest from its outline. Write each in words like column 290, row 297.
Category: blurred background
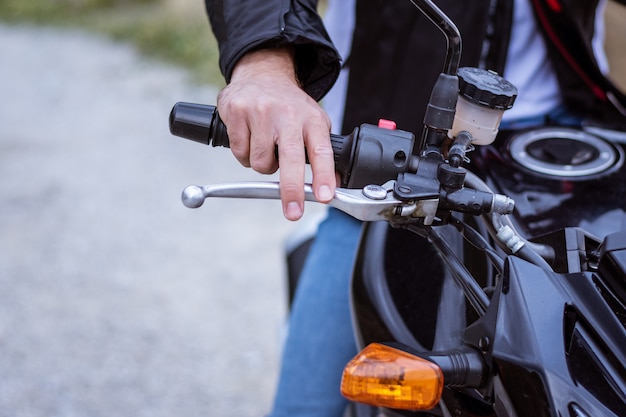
column 175, row 31
column 114, row 298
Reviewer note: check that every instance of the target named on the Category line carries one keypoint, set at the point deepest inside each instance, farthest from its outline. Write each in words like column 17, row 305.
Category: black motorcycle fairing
column 557, row 343
column 393, row 268
column 402, row 290
column 611, row 266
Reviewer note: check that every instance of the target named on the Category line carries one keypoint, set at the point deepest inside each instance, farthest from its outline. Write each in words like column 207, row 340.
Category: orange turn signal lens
column 387, row 377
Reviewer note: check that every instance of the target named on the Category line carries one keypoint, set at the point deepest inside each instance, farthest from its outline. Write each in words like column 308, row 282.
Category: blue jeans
column 320, row 338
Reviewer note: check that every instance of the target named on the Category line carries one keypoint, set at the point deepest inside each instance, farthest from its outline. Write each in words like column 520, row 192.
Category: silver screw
column 374, row 192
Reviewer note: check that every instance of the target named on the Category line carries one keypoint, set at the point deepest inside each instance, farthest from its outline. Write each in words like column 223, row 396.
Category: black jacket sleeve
column 241, row 26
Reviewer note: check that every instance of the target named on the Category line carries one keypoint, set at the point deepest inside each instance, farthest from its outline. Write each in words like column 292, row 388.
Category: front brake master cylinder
column 483, row 98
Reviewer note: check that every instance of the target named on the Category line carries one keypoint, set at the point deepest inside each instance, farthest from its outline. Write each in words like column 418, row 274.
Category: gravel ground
column 115, row 300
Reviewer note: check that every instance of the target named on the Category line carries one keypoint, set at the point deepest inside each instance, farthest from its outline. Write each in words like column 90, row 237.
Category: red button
column 387, row 124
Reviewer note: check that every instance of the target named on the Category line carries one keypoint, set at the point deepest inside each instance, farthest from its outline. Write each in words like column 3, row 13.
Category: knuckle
column 262, row 163
column 291, row 189
column 241, row 156
column 323, row 150
column 291, row 147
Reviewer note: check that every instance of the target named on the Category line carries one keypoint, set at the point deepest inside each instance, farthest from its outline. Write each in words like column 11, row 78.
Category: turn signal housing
column 387, row 377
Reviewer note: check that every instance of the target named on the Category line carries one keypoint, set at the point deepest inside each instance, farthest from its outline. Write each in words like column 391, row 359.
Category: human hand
column 263, row 107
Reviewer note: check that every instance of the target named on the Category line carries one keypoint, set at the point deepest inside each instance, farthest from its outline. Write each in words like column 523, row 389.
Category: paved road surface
column 115, row 300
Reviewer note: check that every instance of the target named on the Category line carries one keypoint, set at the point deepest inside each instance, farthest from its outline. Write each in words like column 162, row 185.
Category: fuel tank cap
column 564, row 153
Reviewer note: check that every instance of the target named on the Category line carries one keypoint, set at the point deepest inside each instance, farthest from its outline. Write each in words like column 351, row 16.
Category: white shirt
column 528, row 67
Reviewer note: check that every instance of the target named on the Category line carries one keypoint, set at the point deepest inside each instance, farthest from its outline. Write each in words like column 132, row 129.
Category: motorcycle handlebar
column 201, row 123
column 359, row 157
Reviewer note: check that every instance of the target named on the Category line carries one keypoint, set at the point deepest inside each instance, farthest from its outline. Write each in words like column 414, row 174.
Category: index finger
column 321, row 158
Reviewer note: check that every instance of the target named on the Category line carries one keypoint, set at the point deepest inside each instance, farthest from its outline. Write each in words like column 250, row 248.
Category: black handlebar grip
column 198, row 122
column 201, row 123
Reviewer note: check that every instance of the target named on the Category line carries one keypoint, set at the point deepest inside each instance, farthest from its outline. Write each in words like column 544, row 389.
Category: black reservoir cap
column 486, row 88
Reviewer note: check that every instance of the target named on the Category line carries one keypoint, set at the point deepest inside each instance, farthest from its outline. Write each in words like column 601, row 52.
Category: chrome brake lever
column 372, row 203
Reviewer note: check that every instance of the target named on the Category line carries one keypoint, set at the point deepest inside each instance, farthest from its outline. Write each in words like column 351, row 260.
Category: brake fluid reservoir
column 483, row 98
